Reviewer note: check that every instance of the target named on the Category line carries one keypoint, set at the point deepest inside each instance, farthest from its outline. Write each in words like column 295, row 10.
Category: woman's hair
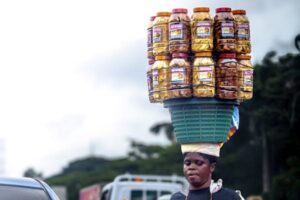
column 211, row 159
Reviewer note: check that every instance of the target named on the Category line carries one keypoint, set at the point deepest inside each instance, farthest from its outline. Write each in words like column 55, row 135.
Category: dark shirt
column 204, row 194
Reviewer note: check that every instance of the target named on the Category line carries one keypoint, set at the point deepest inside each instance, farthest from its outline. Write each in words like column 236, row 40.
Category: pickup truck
column 142, row 187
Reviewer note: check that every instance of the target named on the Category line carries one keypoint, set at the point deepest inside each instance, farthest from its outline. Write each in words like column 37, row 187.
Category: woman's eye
column 187, row 163
column 199, row 163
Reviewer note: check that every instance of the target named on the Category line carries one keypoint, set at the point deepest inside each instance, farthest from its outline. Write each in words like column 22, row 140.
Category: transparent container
column 243, row 44
column 203, row 75
column 180, row 76
column 150, row 80
column 224, row 31
column 149, row 38
column 245, row 77
column 179, row 31
column 161, row 34
column 227, row 76
column 202, row 30
column 161, row 78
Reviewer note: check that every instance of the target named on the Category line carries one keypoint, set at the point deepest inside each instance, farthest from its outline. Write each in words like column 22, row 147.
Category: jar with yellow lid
column 202, row 30
column 179, row 31
column 161, row 34
column 161, row 78
column 203, row 75
column 227, row 76
column 150, row 80
column 243, row 44
column 245, row 77
column 224, row 30
column 180, row 76
column 149, row 38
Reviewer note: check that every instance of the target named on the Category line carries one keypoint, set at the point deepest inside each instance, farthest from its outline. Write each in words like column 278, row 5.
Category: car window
column 165, row 192
column 22, row 193
column 136, row 195
column 151, row 195
column 104, row 195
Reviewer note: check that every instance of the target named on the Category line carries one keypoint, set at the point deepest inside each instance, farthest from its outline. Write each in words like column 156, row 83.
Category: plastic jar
column 161, row 78
column 202, row 30
column 180, row 76
column 150, row 80
column 179, row 31
column 224, row 30
column 227, row 76
column 150, row 40
column 243, row 45
column 245, row 77
column 161, row 34
column 203, row 75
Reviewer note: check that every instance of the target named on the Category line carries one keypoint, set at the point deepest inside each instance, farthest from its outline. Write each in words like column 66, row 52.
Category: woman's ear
column 212, row 167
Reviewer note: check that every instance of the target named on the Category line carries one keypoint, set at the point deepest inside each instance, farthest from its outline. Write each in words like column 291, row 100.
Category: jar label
column 205, row 73
column 155, row 76
column 150, row 37
column 248, row 77
column 149, row 81
column 157, row 34
column 203, row 29
column 227, row 29
column 176, row 31
column 177, row 75
column 243, row 31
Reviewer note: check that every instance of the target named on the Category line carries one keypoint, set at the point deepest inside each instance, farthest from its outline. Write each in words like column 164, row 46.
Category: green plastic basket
column 197, row 120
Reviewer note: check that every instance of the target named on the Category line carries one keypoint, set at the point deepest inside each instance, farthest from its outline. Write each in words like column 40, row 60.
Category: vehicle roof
column 20, row 182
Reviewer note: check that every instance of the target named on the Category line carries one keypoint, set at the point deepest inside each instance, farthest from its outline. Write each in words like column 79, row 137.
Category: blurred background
column 74, row 107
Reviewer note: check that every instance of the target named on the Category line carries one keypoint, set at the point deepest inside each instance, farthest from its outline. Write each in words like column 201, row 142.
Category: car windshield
column 24, row 193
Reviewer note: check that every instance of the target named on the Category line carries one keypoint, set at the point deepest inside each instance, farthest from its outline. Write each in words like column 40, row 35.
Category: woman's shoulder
column 229, row 194
column 177, row 196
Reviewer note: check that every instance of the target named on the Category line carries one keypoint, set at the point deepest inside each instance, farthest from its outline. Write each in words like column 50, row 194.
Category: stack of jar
column 243, row 49
column 181, row 52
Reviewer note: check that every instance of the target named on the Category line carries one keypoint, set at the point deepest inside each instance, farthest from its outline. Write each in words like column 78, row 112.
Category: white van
column 142, row 187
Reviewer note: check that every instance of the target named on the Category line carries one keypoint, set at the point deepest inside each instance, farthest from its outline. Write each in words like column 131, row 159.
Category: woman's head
column 198, row 168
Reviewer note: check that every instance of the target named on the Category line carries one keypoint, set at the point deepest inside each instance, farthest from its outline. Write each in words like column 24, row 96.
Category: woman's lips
column 192, row 176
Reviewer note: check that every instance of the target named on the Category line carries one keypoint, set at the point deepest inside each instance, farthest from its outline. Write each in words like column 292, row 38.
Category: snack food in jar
column 161, row 34
column 242, row 36
column 150, row 80
column 149, row 38
column 179, row 31
column 180, row 76
column 201, row 30
column 224, row 30
column 245, row 77
column 161, row 78
column 227, row 76
column 203, row 75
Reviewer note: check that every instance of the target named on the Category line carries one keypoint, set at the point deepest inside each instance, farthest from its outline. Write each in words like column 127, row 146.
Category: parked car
column 142, row 187
column 165, row 197
column 25, row 189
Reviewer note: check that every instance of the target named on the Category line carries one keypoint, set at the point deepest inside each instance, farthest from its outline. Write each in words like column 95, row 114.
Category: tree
column 166, row 127
column 31, row 173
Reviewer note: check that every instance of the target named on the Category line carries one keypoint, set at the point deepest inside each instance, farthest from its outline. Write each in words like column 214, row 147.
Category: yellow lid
column 239, row 12
column 243, row 57
column 203, row 54
column 162, row 57
column 163, row 14
column 201, row 9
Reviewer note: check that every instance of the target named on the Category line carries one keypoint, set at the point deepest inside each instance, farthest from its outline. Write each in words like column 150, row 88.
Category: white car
column 165, row 197
column 142, row 187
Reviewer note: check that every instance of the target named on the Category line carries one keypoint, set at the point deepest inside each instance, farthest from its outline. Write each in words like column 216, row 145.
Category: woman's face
column 197, row 170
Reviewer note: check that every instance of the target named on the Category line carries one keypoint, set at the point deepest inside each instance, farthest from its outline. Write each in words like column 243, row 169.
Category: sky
column 73, row 74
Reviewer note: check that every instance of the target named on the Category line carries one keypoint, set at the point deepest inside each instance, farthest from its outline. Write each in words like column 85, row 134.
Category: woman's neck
column 199, row 187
